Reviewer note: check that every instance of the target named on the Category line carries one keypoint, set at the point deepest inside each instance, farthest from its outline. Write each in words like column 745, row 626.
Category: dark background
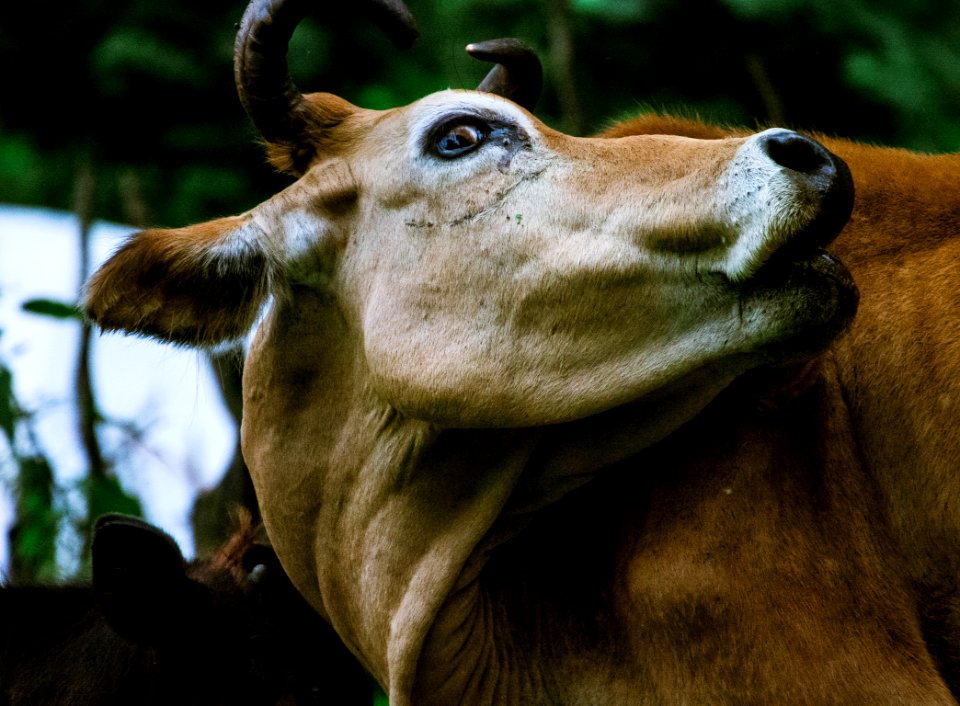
column 144, row 90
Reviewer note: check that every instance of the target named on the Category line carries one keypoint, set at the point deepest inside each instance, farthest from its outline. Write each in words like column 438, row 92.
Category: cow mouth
column 818, row 290
column 833, row 185
column 823, row 300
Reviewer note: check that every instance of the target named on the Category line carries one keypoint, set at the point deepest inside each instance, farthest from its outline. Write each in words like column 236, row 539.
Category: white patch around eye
column 437, row 107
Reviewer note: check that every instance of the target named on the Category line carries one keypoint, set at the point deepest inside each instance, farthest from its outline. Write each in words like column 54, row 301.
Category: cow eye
column 459, row 139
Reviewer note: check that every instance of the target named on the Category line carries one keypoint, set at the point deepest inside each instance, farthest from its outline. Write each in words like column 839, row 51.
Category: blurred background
column 117, row 114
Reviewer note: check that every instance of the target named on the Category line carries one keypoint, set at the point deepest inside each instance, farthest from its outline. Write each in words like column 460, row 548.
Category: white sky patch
column 169, row 394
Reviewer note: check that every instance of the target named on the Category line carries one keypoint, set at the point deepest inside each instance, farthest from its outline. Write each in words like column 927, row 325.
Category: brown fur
column 183, row 295
column 466, row 344
column 658, row 124
column 327, row 111
column 891, row 384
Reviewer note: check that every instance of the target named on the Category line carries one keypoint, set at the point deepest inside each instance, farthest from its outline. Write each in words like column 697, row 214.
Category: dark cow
column 154, row 630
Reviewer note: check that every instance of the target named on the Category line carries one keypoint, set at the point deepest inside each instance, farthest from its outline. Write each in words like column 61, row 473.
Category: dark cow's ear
column 140, row 580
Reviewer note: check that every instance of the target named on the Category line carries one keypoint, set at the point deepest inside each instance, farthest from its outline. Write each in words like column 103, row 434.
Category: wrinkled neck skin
column 404, row 513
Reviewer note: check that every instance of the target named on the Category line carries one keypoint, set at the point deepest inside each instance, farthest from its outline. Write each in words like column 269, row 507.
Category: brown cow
column 471, row 316
column 154, row 630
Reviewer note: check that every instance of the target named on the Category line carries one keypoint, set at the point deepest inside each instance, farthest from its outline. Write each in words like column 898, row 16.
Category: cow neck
column 379, row 515
column 386, row 522
column 423, row 501
column 507, row 478
column 569, row 455
column 899, row 367
column 759, row 516
column 798, row 486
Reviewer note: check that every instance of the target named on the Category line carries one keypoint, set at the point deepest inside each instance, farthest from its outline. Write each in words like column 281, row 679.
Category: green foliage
column 766, row 10
column 9, row 412
column 205, row 189
column 51, row 308
column 33, row 537
column 33, row 534
column 41, row 511
column 904, row 58
column 105, row 494
column 21, row 170
column 917, row 71
column 130, row 54
column 617, row 11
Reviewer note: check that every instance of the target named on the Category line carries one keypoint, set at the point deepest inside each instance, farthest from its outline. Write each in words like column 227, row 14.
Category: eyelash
column 466, row 133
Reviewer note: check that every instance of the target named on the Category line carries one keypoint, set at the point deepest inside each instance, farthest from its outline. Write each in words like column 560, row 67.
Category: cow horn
column 518, row 74
column 273, row 102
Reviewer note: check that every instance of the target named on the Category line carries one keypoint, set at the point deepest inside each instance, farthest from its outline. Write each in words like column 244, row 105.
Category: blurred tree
column 213, row 509
column 33, row 535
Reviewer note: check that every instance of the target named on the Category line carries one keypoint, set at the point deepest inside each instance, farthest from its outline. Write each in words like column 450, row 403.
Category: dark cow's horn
column 273, row 102
column 518, row 74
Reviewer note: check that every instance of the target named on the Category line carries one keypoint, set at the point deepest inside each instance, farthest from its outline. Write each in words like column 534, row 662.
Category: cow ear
column 199, row 285
column 139, row 577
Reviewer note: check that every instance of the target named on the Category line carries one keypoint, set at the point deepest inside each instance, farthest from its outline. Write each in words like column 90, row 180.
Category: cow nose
column 796, row 152
column 810, row 165
column 794, row 194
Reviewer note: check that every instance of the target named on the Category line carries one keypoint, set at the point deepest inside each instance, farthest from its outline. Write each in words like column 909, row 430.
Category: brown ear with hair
column 199, row 285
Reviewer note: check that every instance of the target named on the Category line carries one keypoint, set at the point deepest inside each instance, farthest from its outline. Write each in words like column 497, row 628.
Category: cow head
column 496, row 272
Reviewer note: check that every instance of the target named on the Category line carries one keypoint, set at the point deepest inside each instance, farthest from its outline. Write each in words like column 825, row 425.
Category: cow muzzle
column 819, row 171
column 811, row 196
column 786, row 196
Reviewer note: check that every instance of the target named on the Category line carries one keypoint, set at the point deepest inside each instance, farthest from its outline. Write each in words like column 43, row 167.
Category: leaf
column 9, row 412
column 52, row 308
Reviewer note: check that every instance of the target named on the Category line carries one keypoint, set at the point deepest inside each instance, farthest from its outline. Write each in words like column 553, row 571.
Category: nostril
column 796, row 152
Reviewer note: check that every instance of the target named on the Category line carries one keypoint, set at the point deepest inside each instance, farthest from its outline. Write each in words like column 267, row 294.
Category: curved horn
column 518, row 74
column 273, row 102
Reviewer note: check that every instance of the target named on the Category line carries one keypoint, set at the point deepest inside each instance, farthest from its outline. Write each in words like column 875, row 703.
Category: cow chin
column 798, row 307
column 808, row 302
